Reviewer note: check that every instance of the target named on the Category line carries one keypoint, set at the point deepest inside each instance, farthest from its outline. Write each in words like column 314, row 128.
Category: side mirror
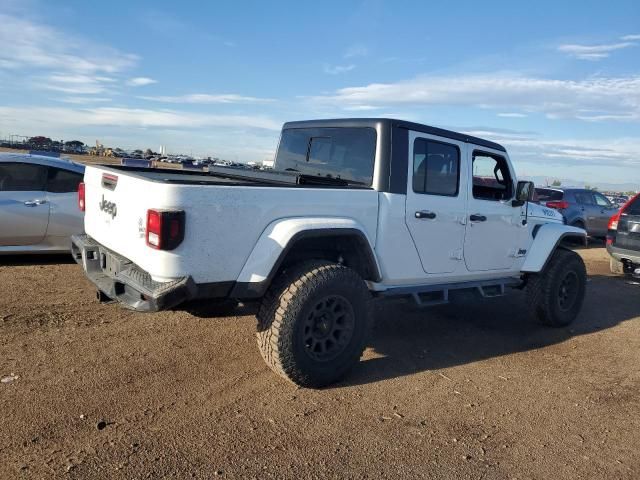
column 524, row 193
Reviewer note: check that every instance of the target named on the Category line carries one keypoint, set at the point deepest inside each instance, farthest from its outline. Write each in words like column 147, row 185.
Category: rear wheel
column 556, row 294
column 313, row 323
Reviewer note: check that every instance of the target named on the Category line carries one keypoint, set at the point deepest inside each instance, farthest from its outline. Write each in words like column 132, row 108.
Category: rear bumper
column 122, row 280
column 630, row 258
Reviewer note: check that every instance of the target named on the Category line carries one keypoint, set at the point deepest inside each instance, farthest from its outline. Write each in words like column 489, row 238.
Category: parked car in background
column 623, row 239
column 38, row 203
column 580, row 207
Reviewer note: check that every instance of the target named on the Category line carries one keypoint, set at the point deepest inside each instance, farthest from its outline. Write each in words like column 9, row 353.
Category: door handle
column 33, row 203
column 422, row 214
column 476, row 217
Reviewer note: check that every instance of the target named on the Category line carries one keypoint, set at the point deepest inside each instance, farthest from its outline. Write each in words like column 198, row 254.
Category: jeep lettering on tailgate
column 109, row 208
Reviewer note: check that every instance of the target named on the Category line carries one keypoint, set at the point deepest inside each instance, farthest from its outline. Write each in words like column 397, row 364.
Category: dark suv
column 623, row 239
column 581, row 207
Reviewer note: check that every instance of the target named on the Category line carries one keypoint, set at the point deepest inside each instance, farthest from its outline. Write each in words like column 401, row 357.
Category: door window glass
column 436, row 168
column 491, row 177
column 634, row 207
column 22, row 177
column 63, row 181
column 584, row 198
column 601, row 200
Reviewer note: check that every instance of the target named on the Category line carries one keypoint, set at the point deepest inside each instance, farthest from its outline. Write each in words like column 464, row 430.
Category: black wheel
column 313, row 323
column 556, row 294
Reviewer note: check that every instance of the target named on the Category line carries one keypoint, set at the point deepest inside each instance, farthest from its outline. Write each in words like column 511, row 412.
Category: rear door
column 65, row 219
column 435, row 204
column 628, row 234
column 24, row 208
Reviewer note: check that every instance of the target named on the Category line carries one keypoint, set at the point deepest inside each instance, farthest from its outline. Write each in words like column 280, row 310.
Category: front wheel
column 556, row 294
column 313, row 323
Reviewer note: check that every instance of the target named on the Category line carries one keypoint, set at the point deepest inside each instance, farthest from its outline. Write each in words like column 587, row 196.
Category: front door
column 24, row 208
column 436, row 197
column 495, row 227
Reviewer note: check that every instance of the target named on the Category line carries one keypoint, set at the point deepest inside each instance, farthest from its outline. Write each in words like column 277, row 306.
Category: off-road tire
column 283, row 321
column 544, row 292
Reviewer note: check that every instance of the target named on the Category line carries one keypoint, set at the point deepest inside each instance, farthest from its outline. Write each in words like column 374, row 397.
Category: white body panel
column 223, row 223
column 238, row 232
column 546, row 240
column 276, row 237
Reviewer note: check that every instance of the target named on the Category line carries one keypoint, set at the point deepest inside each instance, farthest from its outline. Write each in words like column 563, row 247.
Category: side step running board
column 430, row 295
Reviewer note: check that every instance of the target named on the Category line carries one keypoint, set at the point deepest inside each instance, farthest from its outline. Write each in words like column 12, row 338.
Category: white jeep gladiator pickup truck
column 353, row 209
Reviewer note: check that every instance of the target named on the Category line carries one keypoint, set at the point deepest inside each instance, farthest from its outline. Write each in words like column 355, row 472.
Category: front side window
column 491, row 177
column 63, row 181
column 22, row 177
column 346, row 153
column 436, row 168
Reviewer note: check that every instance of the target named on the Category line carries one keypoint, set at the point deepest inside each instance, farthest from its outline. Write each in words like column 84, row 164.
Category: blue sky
column 558, row 83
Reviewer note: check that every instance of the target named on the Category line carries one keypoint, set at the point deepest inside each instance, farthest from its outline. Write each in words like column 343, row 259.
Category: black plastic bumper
column 629, row 258
column 121, row 280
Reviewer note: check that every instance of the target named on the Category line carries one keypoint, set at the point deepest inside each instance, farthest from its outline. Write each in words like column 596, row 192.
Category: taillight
column 81, row 202
column 165, row 229
column 558, row 204
column 613, row 221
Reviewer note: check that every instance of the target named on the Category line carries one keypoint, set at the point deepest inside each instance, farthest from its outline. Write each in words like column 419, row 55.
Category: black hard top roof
column 389, row 123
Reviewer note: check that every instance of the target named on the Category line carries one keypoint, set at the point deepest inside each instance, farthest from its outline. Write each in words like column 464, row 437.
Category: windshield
column 346, row 153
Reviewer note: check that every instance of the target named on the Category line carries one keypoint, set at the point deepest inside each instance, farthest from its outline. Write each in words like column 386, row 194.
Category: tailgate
column 116, row 212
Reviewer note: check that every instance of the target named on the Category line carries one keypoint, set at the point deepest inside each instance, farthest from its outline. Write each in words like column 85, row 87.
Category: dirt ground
column 468, row 390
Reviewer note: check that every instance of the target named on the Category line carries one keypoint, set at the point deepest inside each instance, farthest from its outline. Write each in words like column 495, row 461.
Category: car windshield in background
column 547, row 194
column 344, row 153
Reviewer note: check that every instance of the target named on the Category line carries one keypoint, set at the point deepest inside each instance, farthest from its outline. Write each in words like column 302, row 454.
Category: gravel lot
column 468, row 390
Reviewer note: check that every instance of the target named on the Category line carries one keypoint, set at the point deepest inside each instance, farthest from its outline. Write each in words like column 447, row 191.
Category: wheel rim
column 328, row 328
column 568, row 291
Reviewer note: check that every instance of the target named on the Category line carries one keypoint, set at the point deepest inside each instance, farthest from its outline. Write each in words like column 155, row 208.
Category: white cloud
column 630, row 38
column 26, row 44
column 205, row 98
column 337, row 69
column 81, row 100
column 43, row 118
column 593, row 52
column 75, row 83
column 590, row 98
column 512, row 115
column 356, row 50
column 140, row 81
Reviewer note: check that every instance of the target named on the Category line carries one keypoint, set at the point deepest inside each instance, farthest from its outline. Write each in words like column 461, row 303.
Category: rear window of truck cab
column 347, row 153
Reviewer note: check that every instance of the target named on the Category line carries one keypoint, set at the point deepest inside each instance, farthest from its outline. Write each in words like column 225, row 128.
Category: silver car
column 38, row 203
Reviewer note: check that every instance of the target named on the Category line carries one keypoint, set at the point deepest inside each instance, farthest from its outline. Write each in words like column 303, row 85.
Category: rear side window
column 584, row 198
column 63, row 181
column 346, row 153
column 491, row 177
column 634, row 207
column 601, row 200
column 436, row 168
column 22, row 177
column 547, row 194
